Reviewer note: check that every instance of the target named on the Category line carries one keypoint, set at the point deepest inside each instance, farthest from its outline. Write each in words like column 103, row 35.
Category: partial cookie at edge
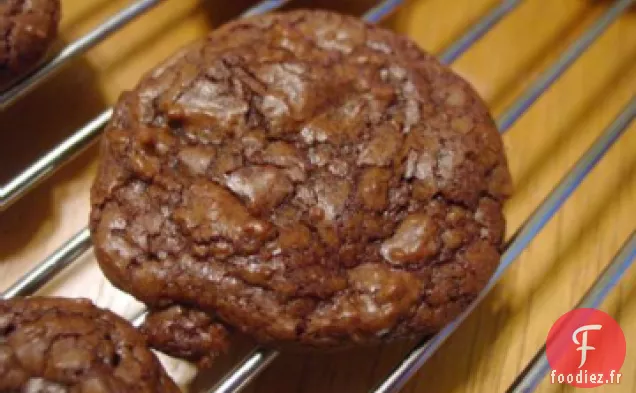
column 55, row 344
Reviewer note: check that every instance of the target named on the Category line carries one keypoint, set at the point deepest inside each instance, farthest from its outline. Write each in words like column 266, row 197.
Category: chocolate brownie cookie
column 27, row 29
column 64, row 345
column 305, row 177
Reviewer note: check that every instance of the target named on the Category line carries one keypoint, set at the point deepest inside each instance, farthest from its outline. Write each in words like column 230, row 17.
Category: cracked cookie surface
column 27, row 28
column 70, row 346
column 307, row 179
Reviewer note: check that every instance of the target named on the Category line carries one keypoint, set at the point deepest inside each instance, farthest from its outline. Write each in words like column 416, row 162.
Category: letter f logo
column 583, row 344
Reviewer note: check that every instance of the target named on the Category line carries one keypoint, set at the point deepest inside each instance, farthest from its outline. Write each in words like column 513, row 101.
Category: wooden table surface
column 495, row 343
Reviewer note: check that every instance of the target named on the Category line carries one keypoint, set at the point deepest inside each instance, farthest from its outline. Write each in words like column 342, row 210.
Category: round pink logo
column 586, row 348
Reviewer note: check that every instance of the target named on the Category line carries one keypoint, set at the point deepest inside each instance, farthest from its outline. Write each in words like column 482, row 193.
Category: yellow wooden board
column 490, row 349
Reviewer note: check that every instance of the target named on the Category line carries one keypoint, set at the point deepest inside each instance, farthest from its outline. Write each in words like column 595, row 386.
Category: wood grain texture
column 490, row 349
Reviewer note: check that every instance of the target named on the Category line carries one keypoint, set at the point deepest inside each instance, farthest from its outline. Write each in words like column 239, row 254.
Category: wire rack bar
column 483, row 26
column 75, row 49
column 423, row 351
column 538, row 367
column 381, row 11
column 139, row 319
column 516, row 110
column 245, row 371
column 264, row 7
column 47, row 164
column 62, row 257
column 49, row 267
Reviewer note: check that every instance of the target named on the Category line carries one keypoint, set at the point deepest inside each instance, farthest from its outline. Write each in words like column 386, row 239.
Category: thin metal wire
column 49, row 267
column 264, row 7
column 54, row 263
column 81, row 139
column 74, row 50
column 484, row 25
column 423, row 351
column 516, row 110
column 139, row 319
column 538, row 367
column 381, row 11
column 47, row 164
column 245, row 371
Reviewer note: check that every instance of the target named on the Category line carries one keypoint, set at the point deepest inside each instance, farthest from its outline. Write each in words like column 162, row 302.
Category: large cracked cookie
column 305, row 178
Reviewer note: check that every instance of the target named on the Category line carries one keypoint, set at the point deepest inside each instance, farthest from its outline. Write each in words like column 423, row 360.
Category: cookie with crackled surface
column 305, row 178
column 27, row 28
column 70, row 346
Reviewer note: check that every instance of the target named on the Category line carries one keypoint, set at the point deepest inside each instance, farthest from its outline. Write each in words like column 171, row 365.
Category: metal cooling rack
column 260, row 358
